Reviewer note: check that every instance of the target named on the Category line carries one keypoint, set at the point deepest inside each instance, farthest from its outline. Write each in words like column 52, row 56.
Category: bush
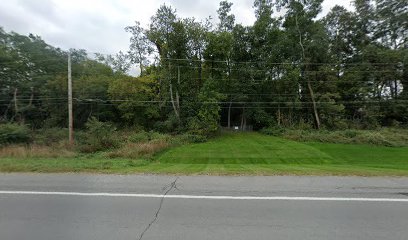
column 14, row 133
column 99, row 136
column 189, row 138
column 144, row 136
column 274, row 131
column 171, row 125
column 154, row 136
column 141, row 136
column 374, row 138
column 50, row 136
column 383, row 137
column 138, row 150
column 350, row 133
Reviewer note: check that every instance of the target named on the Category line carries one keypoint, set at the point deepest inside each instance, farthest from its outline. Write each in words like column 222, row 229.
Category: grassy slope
column 246, row 153
column 246, row 148
column 259, row 154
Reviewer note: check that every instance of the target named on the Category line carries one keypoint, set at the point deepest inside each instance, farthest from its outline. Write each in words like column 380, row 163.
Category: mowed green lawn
column 253, row 153
column 239, row 154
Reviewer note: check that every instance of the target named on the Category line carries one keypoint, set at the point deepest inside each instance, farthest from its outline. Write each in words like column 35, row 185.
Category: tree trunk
column 31, row 97
column 141, row 69
column 177, row 90
column 17, row 115
column 5, row 115
column 309, row 85
column 15, row 101
column 316, row 114
column 141, row 64
column 245, row 123
column 229, row 114
column 242, row 119
column 172, row 102
column 200, row 76
column 159, row 93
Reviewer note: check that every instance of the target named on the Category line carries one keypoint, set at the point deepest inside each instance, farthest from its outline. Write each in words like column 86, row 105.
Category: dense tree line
column 347, row 69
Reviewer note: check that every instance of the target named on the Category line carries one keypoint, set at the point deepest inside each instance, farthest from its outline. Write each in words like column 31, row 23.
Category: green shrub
column 99, row 136
column 171, row 125
column 138, row 150
column 350, row 133
column 141, row 136
column 304, row 125
column 190, row 138
column 383, row 137
column 14, row 133
column 339, row 124
column 274, row 131
column 158, row 136
column 144, row 136
column 49, row 136
column 374, row 138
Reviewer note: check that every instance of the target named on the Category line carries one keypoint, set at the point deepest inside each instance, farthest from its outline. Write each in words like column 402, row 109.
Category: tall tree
column 227, row 20
column 140, row 47
column 300, row 24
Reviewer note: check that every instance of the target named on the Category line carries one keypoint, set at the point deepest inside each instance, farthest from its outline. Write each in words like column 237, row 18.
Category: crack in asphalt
column 169, row 187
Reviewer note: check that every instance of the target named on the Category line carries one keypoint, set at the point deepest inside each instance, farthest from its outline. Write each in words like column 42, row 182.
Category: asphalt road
column 71, row 206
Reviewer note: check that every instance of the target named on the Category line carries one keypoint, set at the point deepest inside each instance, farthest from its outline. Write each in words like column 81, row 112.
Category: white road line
column 135, row 195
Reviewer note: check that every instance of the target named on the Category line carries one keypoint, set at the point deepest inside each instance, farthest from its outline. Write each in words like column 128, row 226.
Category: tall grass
column 139, row 150
column 382, row 137
column 34, row 151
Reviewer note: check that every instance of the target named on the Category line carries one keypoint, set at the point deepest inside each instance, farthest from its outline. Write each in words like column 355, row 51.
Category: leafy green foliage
column 291, row 70
column 144, row 136
column 207, row 118
column 381, row 137
column 133, row 96
column 100, row 136
column 49, row 136
column 14, row 133
column 274, row 131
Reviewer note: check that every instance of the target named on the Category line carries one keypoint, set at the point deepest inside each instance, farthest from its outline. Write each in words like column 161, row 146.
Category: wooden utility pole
column 16, row 113
column 177, row 90
column 15, row 101
column 70, row 115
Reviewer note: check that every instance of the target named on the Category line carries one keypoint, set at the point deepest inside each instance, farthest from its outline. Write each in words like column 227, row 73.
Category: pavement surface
column 81, row 206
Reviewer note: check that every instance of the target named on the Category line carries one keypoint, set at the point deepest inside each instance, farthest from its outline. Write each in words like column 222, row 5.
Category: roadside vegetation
column 228, row 153
column 97, row 139
column 391, row 137
column 322, row 95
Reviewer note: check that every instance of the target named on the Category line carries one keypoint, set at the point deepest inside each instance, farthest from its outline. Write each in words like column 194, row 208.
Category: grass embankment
column 390, row 137
column 235, row 154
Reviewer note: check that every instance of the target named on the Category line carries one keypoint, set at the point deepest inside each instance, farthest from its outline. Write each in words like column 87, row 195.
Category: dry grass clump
column 137, row 150
column 34, row 151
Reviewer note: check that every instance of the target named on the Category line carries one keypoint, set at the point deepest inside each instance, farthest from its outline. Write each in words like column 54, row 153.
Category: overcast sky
column 98, row 25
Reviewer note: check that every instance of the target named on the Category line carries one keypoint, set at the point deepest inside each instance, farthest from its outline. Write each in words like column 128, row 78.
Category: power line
column 249, row 80
column 212, row 102
column 232, row 107
column 237, row 102
column 271, row 63
column 96, row 98
column 87, row 57
column 249, row 70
